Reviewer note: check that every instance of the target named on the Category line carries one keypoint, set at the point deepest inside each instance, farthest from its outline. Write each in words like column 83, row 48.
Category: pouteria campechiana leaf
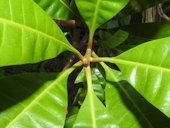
column 147, row 69
column 97, row 12
column 34, row 100
column 27, row 34
column 127, row 106
column 93, row 114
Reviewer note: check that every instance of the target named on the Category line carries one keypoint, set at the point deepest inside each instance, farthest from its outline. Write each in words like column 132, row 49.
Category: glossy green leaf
column 93, row 114
column 97, row 12
column 127, row 107
column 97, row 81
column 147, row 68
column 23, row 104
column 56, row 9
column 118, row 109
column 27, row 34
column 136, row 6
column 116, row 106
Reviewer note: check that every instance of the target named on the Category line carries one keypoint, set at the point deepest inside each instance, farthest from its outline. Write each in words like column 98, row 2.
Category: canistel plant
column 128, row 89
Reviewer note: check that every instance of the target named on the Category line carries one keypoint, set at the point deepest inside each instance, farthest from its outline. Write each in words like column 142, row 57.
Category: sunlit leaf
column 97, row 12
column 147, row 68
column 93, row 114
column 27, row 34
column 127, row 107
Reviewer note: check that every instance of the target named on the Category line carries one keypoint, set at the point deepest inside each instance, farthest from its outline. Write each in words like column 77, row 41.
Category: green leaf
column 23, row 104
column 127, row 107
column 136, row 6
column 27, row 34
column 70, row 121
column 93, row 114
column 125, row 113
column 56, row 9
column 139, row 34
column 118, row 109
column 115, row 40
column 97, row 81
column 147, row 68
column 97, row 12
column 115, row 103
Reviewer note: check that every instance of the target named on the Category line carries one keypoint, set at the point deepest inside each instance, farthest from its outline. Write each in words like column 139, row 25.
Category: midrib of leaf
column 21, row 26
column 128, row 96
column 90, row 93
column 92, row 110
column 39, row 96
column 120, row 61
column 92, row 29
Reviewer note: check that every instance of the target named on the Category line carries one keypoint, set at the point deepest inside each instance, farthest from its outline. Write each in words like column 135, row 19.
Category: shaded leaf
column 70, row 121
column 115, row 40
column 135, row 6
column 23, row 104
column 97, row 81
column 140, row 33
column 56, row 9
column 118, row 109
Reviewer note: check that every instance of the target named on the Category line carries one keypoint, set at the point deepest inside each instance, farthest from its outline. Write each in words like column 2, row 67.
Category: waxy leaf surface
column 93, row 114
column 147, row 68
column 127, row 107
column 37, row 100
column 97, row 12
column 27, row 34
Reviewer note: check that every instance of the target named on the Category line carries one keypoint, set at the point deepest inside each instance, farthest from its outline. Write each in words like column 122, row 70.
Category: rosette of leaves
column 134, row 91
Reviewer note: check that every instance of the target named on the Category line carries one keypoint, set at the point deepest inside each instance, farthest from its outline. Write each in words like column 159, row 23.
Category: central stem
column 87, row 57
column 90, row 41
